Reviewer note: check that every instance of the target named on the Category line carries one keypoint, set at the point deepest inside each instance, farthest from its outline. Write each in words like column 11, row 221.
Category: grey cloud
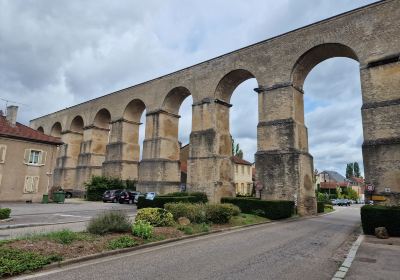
column 54, row 54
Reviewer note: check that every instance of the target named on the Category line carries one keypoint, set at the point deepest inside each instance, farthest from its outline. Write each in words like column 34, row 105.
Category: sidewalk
column 376, row 259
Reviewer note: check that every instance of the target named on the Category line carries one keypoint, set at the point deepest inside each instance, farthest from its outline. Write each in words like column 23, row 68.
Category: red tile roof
column 20, row 131
column 238, row 160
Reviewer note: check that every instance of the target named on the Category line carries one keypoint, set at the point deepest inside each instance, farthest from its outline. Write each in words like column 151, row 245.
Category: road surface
column 302, row 249
column 38, row 218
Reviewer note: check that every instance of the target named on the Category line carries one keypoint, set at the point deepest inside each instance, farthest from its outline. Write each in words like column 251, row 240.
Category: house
column 330, row 180
column 27, row 158
column 242, row 176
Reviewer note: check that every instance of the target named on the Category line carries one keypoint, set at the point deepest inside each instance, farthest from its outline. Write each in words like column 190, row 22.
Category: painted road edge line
column 341, row 272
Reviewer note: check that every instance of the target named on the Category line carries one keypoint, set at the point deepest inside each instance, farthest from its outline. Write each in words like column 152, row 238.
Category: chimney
column 12, row 114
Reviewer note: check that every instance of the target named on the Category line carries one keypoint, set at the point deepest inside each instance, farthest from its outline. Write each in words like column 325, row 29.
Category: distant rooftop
column 23, row 132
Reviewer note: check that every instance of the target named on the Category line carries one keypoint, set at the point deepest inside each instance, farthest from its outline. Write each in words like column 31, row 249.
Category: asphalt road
column 302, row 249
column 37, row 218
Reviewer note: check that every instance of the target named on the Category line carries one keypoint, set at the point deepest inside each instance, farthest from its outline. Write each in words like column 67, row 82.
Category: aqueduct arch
column 370, row 35
column 56, row 130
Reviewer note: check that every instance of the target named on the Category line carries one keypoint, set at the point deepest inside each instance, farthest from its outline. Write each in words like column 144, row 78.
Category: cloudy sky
column 54, row 54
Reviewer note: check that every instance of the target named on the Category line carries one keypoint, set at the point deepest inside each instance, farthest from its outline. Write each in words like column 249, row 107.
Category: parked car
column 111, row 195
column 69, row 193
column 334, row 201
column 128, row 197
column 343, row 202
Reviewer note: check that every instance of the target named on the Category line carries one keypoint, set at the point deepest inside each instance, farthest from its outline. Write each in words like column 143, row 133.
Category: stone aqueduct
column 101, row 135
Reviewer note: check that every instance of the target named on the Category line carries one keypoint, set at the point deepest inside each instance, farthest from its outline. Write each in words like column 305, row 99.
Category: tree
column 236, row 151
column 349, row 170
column 356, row 168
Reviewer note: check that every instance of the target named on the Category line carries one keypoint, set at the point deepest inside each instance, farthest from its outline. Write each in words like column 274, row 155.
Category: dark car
column 128, row 197
column 111, row 195
column 69, row 193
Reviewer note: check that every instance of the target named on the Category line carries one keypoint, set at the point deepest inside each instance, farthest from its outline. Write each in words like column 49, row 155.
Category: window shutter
column 26, row 155
column 3, row 149
column 35, row 184
column 27, row 185
column 43, row 155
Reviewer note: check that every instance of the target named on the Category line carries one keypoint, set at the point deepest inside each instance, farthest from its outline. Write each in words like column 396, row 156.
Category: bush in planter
column 108, row 222
column 373, row 216
column 274, row 210
column 221, row 213
column 157, row 217
column 5, row 213
column 142, row 229
column 196, row 213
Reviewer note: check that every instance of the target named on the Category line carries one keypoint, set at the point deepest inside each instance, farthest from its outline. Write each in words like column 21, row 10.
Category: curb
column 341, row 272
column 6, row 220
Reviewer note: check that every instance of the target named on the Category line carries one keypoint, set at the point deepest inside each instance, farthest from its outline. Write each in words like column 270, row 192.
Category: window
column 34, row 157
column 3, row 149
column 31, row 184
column 242, row 187
column 242, row 169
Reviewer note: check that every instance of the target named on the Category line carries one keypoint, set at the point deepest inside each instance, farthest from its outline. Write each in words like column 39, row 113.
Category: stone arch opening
column 316, row 55
column 40, row 129
column 56, row 130
column 178, row 125
column 238, row 125
column 324, row 106
column 77, row 124
column 135, row 113
column 230, row 82
column 102, row 119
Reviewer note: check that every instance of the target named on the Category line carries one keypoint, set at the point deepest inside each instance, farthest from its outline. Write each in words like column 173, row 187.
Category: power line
column 11, row 101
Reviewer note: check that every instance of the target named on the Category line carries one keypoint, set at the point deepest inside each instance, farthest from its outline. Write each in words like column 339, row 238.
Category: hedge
column 5, row 213
column 274, row 210
column 97, row 185
column 373, row 216
column 320, row 207
column 202, row 197
column 159, row 201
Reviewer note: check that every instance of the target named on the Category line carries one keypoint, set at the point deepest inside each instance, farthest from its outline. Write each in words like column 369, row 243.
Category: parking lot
column 74, row 214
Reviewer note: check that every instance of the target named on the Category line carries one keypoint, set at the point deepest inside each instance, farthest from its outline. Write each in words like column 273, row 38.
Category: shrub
column 221, row 213
column 274, row 210
column 121, row 242
column 112, row 221
column 142, row 229
column 320, row 207
column 15, row 261
column 201, row 196
column 64, row 236
column 155, row 216
column 160, row 201
column 99, row 184
column 194, row 228
column 196, row 213
column 5, row 213
column 373, row 216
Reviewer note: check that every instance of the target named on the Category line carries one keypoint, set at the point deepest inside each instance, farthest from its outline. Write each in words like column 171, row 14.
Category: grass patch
column 194, row 228
column 121, row 242
column 14, row 261
column 328, row 209
column 246, row 219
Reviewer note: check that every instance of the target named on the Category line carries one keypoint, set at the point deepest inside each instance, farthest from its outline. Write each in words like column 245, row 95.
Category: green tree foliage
column 356, row 168
column 236, row 151
column 349, row 170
